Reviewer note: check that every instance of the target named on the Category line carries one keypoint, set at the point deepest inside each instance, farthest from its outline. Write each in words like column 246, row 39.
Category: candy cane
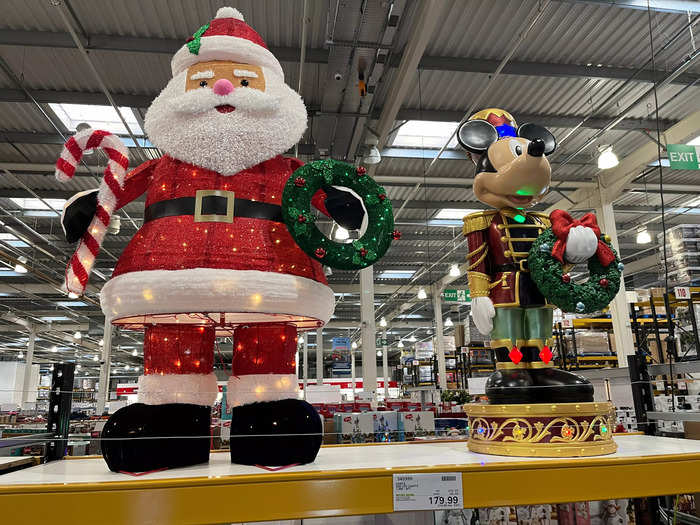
column 82, row 261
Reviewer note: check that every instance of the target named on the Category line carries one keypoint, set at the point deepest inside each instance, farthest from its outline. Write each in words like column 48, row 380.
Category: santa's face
column 226, row 116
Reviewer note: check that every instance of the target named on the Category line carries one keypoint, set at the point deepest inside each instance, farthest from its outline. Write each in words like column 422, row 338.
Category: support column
column 369, row 332
column 352, row 371
column 306, row 362
column 619, row 309
column 385, row 364
column 105, row 365
column 319, row 356
column 439, row 343
column 28, row 365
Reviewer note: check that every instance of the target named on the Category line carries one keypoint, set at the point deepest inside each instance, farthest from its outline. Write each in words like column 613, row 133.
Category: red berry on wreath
column 361, row 170
column 382, row 196
column 301, row 218
column 566, row 278
column 363, row 252
column 396, row 235
column 320, row 253
column 300, row 182
column 604, row 282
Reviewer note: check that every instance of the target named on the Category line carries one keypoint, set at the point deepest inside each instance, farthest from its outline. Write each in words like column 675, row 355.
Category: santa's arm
column 81, row 208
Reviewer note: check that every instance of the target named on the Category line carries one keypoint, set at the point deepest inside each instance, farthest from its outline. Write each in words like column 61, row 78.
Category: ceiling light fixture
column 382, row 322
column 412, row 339
column 134, row 353
column 454, row 271
column 448, row 323
column 95, row 358
column 54, row 349
column 379, row 353
column 400, row 345
column 353, row 345
column 20, row 355
column 607, row 158
column 20, row 266
column 422, row 294
column 77, row 335
column 643, row 236
column 101, row 342
column 73, row 295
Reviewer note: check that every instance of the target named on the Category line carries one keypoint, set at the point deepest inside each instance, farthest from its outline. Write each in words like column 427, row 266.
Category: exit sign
column 459, row 296
column 682, row 157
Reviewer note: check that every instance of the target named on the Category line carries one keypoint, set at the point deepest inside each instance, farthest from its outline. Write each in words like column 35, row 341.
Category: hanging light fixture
column 95, row 358
column 73, row 295
column 422, row 294
column 454, row 271
column 382, row 322
column 643, row 236
column 353, row 345
column 20, row 355
column 134, row 353
column 400, row 345
column 607, row 158
column 448, row 322
column 77, row 335
column 379, row 353
column 101, row 342
column 54, row 349
column 412, row 339
column 21, row 267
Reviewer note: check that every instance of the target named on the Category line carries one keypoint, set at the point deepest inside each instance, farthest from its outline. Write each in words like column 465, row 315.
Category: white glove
column 581, row 244
column 483, row 313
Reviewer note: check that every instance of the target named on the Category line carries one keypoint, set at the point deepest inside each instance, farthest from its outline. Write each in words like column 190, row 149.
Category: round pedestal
column 542, row 430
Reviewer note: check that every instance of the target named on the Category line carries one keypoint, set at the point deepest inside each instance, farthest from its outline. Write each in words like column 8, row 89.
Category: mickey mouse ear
column 533, row 131
column 476, row 135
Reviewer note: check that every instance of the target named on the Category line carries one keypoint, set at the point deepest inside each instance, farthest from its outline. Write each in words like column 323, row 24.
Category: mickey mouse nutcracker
column 518, row 272
column 213, row 256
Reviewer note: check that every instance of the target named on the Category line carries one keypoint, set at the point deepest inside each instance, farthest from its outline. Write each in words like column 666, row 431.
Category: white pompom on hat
column 227, row 37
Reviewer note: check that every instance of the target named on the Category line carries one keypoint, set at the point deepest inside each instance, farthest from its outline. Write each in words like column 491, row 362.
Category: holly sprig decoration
column 557, row 286
column 195, row 41
column 303, row 184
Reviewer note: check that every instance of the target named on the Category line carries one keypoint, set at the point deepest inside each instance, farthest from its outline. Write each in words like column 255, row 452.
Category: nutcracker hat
column 227, row 37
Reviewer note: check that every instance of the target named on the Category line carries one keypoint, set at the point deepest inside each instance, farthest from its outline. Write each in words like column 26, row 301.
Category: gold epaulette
column 542, row 217
column 478, row 221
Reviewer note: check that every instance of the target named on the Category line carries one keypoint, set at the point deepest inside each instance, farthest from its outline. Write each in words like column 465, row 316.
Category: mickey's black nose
column 536, row 148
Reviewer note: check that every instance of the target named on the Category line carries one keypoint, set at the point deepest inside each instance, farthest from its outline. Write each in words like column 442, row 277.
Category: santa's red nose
column 223, row 87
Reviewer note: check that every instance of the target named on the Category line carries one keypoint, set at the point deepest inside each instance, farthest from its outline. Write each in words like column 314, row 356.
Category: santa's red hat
column 227, row 37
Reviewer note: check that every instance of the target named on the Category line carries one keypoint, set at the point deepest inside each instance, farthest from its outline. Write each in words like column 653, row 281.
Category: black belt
column 214, row 206
column 510, row 267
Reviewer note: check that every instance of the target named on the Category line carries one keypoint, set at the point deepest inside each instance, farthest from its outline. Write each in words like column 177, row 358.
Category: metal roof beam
column 665, row 6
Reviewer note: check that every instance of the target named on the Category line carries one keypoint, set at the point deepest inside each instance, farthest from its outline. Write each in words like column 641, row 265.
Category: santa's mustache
column 243, row 99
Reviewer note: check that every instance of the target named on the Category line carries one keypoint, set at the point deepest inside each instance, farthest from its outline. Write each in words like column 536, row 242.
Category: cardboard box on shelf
column 414, row 425
column 386, row 426
column 354, row 427
column 329, row 435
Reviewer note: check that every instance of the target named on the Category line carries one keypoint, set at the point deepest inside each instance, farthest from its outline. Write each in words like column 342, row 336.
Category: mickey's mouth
column 225, row 108
column 520, row 200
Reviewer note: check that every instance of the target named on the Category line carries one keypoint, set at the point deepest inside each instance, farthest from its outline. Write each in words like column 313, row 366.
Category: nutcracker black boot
column 552, row 385
column 510, row 383
column 283, row 432
column 139, row 437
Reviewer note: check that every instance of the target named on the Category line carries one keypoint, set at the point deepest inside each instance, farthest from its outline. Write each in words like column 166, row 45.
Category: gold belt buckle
column 215, row 217
column 523, row 268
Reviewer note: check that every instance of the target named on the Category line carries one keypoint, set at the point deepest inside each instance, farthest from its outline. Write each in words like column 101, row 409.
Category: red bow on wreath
column 562, row 223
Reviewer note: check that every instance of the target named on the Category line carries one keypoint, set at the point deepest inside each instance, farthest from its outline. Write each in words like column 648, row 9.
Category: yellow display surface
column 343, row 481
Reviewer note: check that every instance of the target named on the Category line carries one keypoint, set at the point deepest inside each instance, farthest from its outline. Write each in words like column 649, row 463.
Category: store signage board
column 457, row 296
column 682, row 292
column 428, row 491
column 683, row 157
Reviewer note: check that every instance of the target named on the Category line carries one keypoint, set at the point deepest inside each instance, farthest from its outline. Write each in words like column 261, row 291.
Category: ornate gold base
column 542, row 430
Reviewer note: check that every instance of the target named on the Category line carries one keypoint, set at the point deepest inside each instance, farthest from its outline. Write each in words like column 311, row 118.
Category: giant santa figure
column 212, row 257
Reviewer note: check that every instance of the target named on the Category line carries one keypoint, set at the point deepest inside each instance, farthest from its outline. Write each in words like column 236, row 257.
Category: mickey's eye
column 244, row 82
column 516, row 148
column 203, row 83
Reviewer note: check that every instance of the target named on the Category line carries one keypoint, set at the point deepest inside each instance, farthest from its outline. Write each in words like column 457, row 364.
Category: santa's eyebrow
column 202, row 74
column 244, row 73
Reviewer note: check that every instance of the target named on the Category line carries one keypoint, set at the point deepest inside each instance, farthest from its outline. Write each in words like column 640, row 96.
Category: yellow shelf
column 343, row 481
column 588, row 323
column 597, row 358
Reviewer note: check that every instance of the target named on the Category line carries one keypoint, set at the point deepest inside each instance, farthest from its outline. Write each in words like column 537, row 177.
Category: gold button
column 504, row 239
column 507, row 253
column 501, row 226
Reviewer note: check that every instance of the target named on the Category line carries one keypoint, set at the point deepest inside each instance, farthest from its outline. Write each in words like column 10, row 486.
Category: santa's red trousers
column 186, row 349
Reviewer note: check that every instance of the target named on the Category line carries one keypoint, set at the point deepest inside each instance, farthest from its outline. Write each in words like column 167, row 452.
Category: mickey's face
column 511, row 171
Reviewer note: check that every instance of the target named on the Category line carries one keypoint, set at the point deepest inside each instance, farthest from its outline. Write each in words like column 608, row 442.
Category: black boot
column 510, row 386
column 275, row 433
column 553, row 385
column 183, row 427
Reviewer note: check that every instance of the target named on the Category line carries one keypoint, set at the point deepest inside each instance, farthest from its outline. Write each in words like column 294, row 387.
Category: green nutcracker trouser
column 522, row 327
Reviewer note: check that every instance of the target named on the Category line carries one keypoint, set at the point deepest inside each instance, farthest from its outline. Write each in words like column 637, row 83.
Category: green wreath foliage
column 588, row 297
column 296, row 212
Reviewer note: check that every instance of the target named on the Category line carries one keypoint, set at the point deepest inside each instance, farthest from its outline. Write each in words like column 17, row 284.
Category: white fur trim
column 242, row 390
column 229, row 12
column 197, row 389
column 231, row 48
column 251, row 292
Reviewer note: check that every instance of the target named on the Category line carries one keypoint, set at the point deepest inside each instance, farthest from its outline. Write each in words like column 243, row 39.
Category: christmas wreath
column 296, row 212
column 547, row 267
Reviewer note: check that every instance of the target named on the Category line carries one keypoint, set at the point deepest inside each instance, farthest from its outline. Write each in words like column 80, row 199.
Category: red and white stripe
column 82, row 261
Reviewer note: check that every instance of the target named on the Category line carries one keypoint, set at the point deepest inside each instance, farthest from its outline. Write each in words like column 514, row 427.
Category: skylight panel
column 99, row 117
column 425, row 134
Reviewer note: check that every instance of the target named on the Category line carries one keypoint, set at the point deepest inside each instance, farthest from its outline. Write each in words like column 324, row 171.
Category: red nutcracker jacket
column 498, row 250
column 205, row 236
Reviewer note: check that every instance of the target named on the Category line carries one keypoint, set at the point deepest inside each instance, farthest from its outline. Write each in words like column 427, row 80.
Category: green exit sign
column 458, row 296
column 683, row 157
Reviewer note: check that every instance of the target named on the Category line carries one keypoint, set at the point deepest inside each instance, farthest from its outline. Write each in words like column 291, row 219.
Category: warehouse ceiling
column 582, row 68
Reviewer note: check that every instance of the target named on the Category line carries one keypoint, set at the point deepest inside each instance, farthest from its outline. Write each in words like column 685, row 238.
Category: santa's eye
column 244, row 82
column 203, row 83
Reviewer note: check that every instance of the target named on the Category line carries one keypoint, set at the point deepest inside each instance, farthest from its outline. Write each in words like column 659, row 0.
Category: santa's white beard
column 186, row 125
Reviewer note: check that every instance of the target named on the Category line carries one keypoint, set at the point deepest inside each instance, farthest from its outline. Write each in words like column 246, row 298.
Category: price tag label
column 428, row 491
column 681, row 292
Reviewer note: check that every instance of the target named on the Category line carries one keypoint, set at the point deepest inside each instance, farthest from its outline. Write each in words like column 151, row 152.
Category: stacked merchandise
column 626, row 419
column 682, row 253
column 580, row 513
column 676, row 403
column 590, row 342
column 381, row 426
